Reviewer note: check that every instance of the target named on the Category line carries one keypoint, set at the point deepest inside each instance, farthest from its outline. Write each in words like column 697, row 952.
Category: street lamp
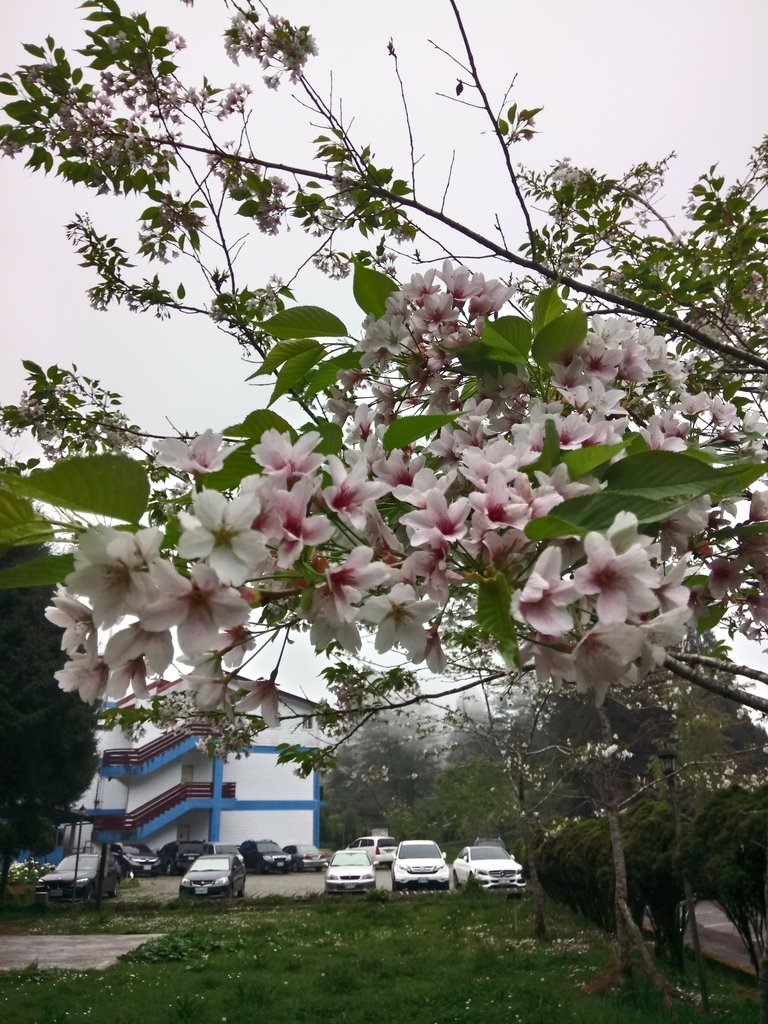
column 668, row 764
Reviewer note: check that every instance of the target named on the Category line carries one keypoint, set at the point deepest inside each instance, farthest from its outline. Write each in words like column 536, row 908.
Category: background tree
column 47, row 737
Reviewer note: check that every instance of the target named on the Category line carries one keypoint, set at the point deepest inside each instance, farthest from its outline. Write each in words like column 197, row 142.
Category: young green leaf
column 282, row 351
column 556, row 337
column 548, row 306
column 371, row 288
column 304, row 322
column 494, row 616
column 294, row 370
column 256, row 422
column 38, row 572
column 407, row 429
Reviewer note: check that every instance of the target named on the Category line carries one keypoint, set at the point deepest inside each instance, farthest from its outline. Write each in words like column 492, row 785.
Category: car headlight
column 224, row 880
column 482, row 871
column 268, row 856
column 82, row 881
column 332, row 876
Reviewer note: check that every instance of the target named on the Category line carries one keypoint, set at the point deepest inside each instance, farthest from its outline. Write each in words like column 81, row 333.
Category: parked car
column 232, row 848
column 419, row 864
column 305, row 857
column 136, row 859
column 490, row 841
column 76, row 877
column 380, row 848
column 215, row 874
column 350, row 871
column 264, row 855
column 493, row 868
column 177, row 856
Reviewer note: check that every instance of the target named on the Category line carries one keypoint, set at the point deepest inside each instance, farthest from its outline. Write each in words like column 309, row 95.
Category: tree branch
column 746, row 699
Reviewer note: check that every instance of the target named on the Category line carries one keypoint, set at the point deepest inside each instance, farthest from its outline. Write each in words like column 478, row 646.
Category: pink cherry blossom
column 621, row 583
column 198, row 607
column 400, row 616
column 298, row 529
column 111, row 570
column 133, row 642
column 543, row 601
column 76, row 619
column 351, row 491
column 262, row 696
column 86, row 675
column 604, row 656
column 286, row 461
column 221, row 532
column 438, row 524
column 206, row 454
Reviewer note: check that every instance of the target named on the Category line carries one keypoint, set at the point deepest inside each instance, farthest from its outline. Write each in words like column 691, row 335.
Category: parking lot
column 166, row 887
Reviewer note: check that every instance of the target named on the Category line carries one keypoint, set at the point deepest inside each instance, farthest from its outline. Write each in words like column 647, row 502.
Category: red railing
column 131, row 820
column 140, row 755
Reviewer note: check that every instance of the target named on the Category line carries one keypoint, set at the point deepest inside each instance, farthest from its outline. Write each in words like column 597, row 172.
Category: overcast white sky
column 620, row 82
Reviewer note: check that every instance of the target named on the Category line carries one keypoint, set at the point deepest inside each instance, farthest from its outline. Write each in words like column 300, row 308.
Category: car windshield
column 488, row 853
column 211, row 864
column 410, row 850
column 308, row 851
column 226, row 848
column 269, row 848
column 189, row 847
column 139, row 851
column 350, row 858
column 85, row 862
column 386, row 841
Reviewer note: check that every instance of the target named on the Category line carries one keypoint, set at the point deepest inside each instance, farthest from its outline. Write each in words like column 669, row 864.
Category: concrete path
column 719, row 939
column 68, row 952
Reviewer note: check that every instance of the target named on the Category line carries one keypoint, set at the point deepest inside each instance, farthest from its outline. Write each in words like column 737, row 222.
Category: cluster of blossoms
column 276, row 44
column 381, row 540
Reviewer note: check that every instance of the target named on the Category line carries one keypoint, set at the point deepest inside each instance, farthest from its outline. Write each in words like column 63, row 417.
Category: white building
column 164, row 787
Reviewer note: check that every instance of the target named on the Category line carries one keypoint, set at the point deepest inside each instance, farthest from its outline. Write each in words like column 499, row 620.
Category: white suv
column 381, row 849
column 419, row 864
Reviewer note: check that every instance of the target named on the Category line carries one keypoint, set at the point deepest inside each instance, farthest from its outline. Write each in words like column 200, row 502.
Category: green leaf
column 494, row 616
column 304, row 322
column 547, row 307
column 22, row 111
column 584, row 460
column 559, row 335
column 256, row 422
column 106, row 485
column 371, row 288
column 331, row 437
column 19, row 522
column 328, row 371
column 588, row 512
column 39, row 572
column 8, row 89
column 237, row 465
column 294, row 370
column 550, row 452
column 516, row 332
column 282, row 351
column 659, row 474
column 407, row 429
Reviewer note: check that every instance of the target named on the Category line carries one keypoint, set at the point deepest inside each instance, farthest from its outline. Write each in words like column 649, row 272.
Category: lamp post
column 80, row 812
column 668, row 763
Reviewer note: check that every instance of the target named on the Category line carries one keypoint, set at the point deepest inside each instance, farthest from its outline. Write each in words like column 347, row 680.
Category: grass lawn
column 350, row 960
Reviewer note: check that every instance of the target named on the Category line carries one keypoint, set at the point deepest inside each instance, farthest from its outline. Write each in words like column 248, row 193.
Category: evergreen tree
column 47, row 737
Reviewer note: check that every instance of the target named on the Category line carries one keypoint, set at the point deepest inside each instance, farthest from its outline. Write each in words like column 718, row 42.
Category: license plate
column 351, row 885
column 55, row 892
column 201, row 890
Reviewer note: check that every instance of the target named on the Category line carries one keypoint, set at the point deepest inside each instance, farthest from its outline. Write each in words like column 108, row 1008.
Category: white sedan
column 492, row 867
column 350, row 871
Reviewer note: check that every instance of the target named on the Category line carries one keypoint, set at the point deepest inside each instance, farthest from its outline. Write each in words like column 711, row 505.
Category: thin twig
column 496, row 132
column 393, row 54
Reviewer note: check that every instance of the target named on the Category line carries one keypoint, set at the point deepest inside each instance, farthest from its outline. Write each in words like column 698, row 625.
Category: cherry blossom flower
column 261, row 695
column 208, row 682
column 86, row 675
column 285, row 461
column 621, row 583
column 76, row 619
column 604, row 656
column 198, row 607
column 351, row 491
column 298, row 529
column 438, row 524
column 543, row 601
column 133, row 642
column 221, row 533
column 400, row 616
column 206, row 454
column 234, row 644
column 111, row 570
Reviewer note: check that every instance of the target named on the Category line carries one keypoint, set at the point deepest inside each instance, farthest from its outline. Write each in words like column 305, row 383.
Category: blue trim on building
column 273, row 805
column 214, row 820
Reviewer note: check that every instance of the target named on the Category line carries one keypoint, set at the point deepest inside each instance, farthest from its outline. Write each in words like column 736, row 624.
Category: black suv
column 136, row 859
column 176, row 857
column 263, row 855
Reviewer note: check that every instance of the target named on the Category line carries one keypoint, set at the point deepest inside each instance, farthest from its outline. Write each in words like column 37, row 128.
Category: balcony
column 177, row 796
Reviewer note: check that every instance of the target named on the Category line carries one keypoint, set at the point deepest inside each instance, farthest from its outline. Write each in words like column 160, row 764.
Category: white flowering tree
column 557, row 459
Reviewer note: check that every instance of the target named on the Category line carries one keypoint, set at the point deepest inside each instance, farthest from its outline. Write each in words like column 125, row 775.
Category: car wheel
column 167, row 868
column 116, row 888
column 455, row 880
column 286, row 869
column 396, row 887
column 242, row 890
column 89, row 892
